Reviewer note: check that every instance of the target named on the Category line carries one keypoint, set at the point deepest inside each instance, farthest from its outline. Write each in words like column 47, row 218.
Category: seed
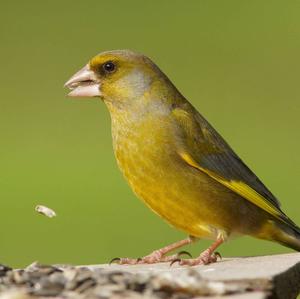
column 45, row 211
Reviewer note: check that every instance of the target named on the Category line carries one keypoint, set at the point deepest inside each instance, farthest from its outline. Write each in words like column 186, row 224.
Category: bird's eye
column 109, row 67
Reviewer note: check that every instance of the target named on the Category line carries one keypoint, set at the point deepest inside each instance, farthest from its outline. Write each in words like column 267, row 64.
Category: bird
column 176, row 162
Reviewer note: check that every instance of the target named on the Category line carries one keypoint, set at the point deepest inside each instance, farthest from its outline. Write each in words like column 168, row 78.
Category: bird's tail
column 283, row 233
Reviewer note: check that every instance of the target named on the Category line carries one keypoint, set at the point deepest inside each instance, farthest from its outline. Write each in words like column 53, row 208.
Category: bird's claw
column 183, row 252
column 178, row 260
column 203, row 259
column 116, row 260
column 218, row 255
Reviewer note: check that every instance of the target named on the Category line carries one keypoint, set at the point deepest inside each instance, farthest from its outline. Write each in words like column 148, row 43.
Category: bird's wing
column 205, row 150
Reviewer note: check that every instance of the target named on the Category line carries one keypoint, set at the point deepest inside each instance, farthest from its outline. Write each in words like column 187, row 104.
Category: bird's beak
column 84, row 84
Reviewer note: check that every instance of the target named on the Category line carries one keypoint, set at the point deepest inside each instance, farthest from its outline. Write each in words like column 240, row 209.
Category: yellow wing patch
column 238, row 187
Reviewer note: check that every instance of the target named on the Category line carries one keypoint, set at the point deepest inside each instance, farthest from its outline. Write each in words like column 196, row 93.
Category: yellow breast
column 153, row 169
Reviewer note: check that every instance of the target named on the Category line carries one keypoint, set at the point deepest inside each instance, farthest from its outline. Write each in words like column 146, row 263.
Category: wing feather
column 207, row 151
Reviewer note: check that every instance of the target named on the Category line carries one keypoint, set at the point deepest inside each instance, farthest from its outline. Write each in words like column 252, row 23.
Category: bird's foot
column 205, row 258
column 158, row 256
column 208, row 256
column 155, row 257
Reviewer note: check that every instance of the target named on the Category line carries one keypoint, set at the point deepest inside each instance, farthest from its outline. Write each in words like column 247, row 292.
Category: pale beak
column 84, row 84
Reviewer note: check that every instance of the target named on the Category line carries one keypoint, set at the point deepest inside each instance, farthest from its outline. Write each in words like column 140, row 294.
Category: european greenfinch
column 176, row 162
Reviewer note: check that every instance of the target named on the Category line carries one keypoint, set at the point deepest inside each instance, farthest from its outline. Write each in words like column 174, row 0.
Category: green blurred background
column 236, row 61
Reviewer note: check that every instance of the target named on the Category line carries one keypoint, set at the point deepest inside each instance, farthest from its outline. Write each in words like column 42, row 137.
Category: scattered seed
column 45, row 211
column 68, row 282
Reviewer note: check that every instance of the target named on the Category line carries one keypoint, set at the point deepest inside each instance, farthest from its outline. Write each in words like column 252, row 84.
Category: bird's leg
column 206, row 257
column 158, row 256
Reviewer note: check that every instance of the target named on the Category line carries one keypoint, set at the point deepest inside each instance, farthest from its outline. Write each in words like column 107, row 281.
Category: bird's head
column 120, row 77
